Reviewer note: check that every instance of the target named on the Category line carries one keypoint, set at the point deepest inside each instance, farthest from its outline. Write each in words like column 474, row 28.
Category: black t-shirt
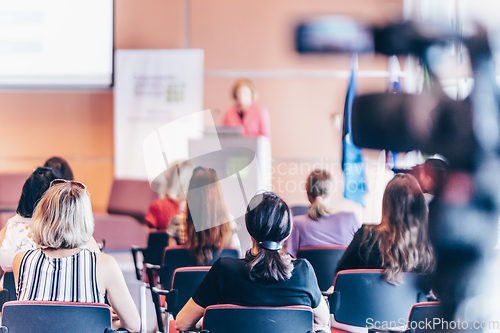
column 228, row 283
column 357, row 257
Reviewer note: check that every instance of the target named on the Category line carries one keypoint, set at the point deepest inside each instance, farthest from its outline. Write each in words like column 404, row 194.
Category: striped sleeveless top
column 69, row 279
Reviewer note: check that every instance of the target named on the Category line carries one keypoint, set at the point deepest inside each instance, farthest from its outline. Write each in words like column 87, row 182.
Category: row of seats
column 358, row 295
column 35, row 317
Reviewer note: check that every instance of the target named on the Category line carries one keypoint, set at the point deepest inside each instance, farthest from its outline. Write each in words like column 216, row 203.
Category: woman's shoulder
column 230, row 262
column 258, row 109
column 165, row 202
column 106, row 264
column 103, row 258
column 301, row 263
column 368, row 228
column 302, row 269
column 344, row 215
column 300, row 220
column 302, row 266
column 231, row 110
column 367, row 231
column 18, row 220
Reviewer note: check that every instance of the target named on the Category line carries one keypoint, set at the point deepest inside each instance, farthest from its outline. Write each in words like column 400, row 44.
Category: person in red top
column 162, row 210
column 253, row 117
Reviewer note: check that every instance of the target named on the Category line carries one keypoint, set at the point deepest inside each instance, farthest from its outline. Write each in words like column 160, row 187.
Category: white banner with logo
column 154, row 88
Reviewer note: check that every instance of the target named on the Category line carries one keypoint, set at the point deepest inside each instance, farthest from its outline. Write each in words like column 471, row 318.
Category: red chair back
column 131, row 197
column 11, row 187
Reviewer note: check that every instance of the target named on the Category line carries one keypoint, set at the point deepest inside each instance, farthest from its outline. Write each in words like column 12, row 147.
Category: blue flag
column 352, row 161
column 394, row 87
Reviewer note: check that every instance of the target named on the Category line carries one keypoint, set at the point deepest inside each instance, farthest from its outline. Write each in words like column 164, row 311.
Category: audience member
column 247, row 113
column 320, row 226
column 209, row 227
column 400, row 242
column 15, row 235
column 162, row 210
column 61, row 269
column 61, row 166
column 265, row 277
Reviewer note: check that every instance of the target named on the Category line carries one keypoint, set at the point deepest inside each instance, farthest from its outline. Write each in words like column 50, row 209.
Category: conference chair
column 11, row 186
column 176, row 257
column 153, row 255
column 9, row 285
column 124, row 225
column 426, row 317
column 233, row 318
column 184, row 283
column 179, row 256
column 420, row 313
column 362, row 297
column 55, row 317
column 324, row 260
column 299, row 210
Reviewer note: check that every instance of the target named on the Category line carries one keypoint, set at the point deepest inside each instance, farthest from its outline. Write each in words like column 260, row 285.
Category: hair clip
column 270, row 245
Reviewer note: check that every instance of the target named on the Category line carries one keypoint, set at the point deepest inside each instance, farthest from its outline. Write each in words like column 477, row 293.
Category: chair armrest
column 152, row 273
column 153, row 267
column 160, row 291
column 138, row 271
column 4, row 297
column 334, row 300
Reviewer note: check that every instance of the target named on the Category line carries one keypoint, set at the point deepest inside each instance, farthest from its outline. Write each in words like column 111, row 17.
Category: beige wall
column 246, row 36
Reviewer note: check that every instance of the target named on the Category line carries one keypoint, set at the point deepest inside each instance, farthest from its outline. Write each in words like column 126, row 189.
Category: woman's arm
column 190, row 314
column 2, row 234
column 111, row 280
column 322, row 316
column 16, row 265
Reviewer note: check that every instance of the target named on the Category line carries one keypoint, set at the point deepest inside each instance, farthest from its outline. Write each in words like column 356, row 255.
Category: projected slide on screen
column 56, row 43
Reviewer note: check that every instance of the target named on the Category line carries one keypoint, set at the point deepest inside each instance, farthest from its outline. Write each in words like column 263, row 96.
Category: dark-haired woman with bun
column 265, row 277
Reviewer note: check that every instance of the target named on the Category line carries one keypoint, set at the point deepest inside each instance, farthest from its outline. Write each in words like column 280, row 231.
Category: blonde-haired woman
column 320, row 226
column 61, row 269
column 162, row 210
column 247, row 113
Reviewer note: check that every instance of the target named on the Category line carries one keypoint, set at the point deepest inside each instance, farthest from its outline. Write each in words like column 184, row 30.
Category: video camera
column 463, row 217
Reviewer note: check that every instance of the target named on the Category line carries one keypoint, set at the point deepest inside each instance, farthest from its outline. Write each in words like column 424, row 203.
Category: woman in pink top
column 246, row 113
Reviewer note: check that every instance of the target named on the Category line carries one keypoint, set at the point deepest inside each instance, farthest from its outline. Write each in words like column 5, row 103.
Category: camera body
column 463, row 217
